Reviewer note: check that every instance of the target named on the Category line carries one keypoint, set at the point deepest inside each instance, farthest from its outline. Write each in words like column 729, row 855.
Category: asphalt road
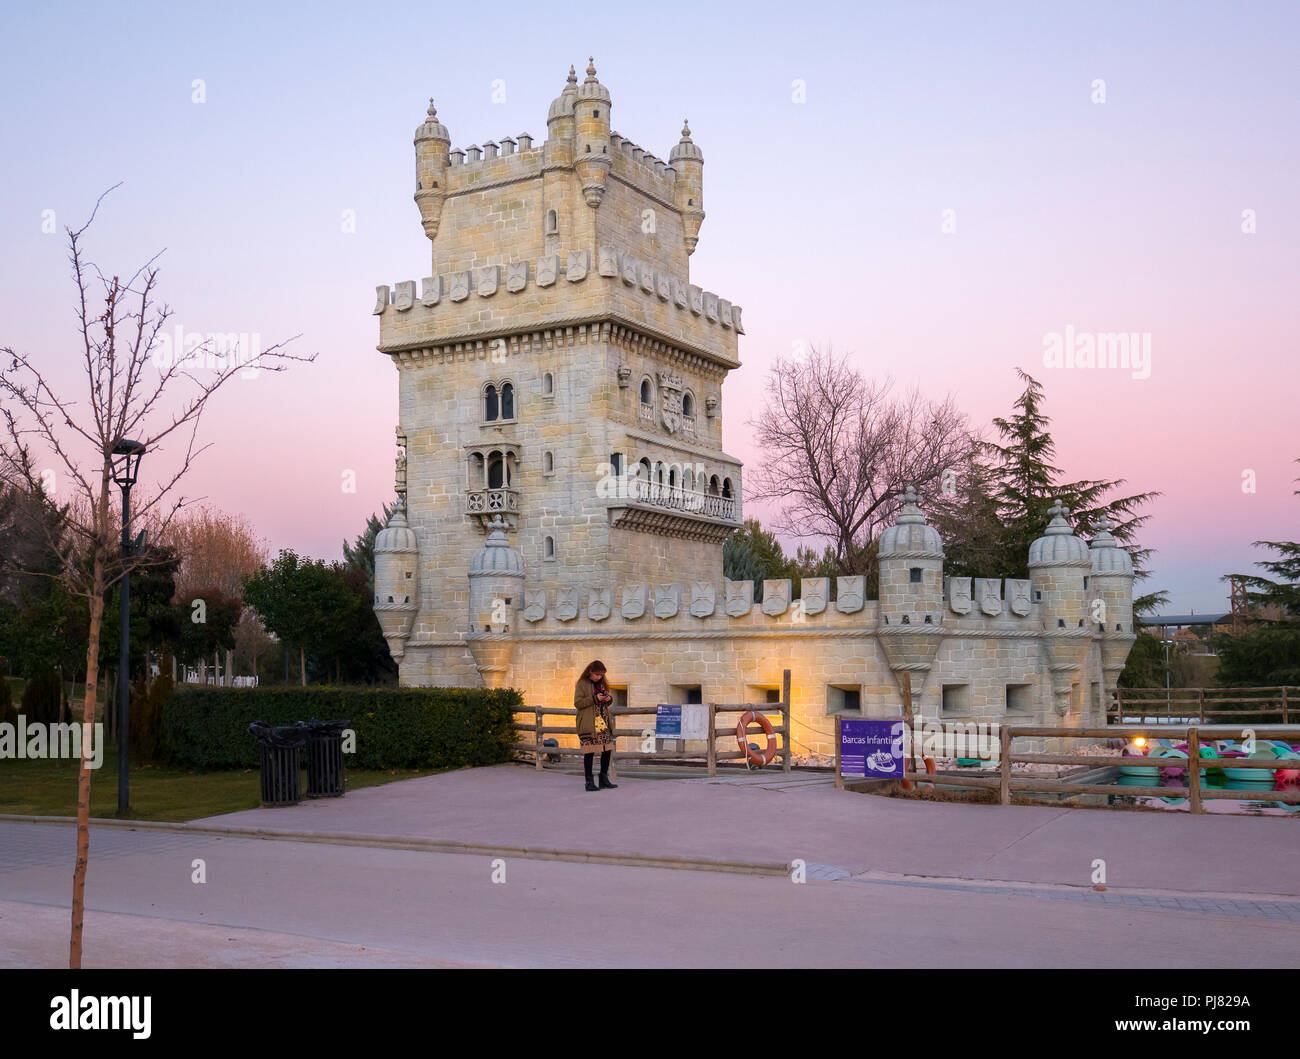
column 278, row 903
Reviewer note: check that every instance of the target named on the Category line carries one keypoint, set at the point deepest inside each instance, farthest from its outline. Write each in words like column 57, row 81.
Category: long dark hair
column 598, row 665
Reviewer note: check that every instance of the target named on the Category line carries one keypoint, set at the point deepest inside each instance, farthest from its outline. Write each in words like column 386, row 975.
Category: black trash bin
column 281, row 748
column 325, row 758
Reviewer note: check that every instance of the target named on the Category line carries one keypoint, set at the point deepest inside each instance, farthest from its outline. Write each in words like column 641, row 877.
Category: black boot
column 591, row 786
column 605, row 785
column 586, row 766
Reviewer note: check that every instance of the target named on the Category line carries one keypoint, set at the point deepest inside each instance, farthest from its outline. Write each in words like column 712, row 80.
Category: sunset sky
column 825, row 218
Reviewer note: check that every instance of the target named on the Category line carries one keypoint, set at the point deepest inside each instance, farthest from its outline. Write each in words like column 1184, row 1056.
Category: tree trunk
column 230, row 666
column 83, row 771
column 302, row 664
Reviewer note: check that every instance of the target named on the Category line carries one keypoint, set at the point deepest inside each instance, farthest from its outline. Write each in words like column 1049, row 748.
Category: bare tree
column 132, row 393
column 838, row 450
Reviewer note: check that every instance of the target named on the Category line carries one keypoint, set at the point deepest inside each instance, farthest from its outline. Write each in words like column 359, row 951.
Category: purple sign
column 871, row 748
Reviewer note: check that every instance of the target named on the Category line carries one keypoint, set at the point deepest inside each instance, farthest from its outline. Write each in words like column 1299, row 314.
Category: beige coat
column 584, row 701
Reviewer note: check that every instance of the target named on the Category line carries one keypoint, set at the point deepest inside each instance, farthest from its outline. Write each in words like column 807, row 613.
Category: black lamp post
column 126, row 468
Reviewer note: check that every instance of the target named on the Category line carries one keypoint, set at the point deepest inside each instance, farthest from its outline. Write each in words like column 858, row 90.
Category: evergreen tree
column 360, row 554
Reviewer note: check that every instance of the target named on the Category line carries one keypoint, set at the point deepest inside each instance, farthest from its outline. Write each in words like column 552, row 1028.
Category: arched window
column 714, row 488
column 688, row 406
column 548, row 385
column 477, row 471
column 552, row 224
column 643, row 475
column 507, row 401
column 548, row 548
column 726, row 488
column 647, row 392
column 498, row 471
column 491, row 409
column 548, row 462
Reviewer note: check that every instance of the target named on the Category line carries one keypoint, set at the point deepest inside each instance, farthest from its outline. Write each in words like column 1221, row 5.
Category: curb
column 429, row 845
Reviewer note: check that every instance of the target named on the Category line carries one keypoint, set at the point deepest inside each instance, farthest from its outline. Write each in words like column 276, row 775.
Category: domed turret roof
column 496, row 556
column 1058, row 543
column 591, row 89
column 432, row 129
column 562, row 105
column 397, row 536
column 910, row 533
column 686, row 148
column 1107, row 556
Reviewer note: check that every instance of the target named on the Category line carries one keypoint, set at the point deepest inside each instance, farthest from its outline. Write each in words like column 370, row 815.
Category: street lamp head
column 126, row 462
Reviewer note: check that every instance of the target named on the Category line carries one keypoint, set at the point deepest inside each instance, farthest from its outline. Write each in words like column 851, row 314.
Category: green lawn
column 49, row 788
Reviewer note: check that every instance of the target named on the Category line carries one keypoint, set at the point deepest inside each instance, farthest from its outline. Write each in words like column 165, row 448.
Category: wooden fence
column 710, row 756
column 1176, row 705
column 1007, row 782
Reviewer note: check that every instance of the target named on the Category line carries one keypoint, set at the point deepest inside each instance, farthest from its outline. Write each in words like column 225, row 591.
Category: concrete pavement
column 769, row 818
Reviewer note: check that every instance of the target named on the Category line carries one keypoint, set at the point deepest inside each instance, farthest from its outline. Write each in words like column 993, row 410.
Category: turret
column 432, row 156
column 1111, row 600
column 496, row 595
column 1058, row 567
column 397, row 580
column 911, row 592
column 688, row 195
column 592, row 159
column 558, row 149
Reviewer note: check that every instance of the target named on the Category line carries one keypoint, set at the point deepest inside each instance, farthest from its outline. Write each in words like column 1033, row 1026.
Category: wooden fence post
column 1194, row 769
column 1200, row 703
column 1004, row 772
column 785, row 714
column 713, row 739
column 537, row 729
column 1284, row 720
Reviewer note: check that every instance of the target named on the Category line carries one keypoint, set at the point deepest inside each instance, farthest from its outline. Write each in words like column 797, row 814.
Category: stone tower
column 560, row 376
column 1111, row 600
column 911, row 591
column 1059, row 567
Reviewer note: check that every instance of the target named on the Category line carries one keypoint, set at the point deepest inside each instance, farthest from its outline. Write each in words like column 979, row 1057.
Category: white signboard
column 695, row 721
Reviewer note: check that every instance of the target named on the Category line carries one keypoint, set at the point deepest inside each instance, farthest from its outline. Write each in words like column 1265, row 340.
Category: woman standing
column 592, row 699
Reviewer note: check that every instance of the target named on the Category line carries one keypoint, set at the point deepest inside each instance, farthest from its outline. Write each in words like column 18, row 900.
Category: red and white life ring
column 752, row 756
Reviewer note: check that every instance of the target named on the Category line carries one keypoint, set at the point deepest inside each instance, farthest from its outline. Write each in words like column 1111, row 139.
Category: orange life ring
column 752, row 756
column 929, row 770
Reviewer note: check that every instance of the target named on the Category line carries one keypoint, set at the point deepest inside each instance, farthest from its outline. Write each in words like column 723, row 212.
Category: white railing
column 688, row 426
column 647, row 412
column 708, row 504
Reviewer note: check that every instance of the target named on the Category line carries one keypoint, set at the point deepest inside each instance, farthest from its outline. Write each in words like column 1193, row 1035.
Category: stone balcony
column 675, row 512
column 487, row 504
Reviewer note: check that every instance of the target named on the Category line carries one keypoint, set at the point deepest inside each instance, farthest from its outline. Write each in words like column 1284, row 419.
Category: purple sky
column 825, row 217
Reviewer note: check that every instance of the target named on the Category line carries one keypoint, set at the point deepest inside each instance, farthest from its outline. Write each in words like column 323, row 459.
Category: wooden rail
column 711, row 755
column 1195, row 702
column 1006, row 783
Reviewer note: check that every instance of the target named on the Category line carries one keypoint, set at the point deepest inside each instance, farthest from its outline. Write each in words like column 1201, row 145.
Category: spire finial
column 1103, row 524
column 573, row 76
column 432, row 111
column 910, row 496
column 686, row 130
column 1058, row 510
column 591, row 68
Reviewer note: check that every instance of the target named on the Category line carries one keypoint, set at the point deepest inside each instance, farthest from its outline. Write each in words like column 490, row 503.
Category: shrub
column 395, row 727
column 42, row 696
column 8, row 715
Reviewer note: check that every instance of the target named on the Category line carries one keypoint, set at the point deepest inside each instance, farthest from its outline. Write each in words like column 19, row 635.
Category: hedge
column 207, row 727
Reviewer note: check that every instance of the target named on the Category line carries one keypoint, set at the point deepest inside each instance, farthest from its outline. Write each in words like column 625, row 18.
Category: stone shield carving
column 668, row 600
column 579, row 265
column 696, row 299
column 460, row 282
column 431, row 290
column 534, row 604
column 851, row 593
column 404, row 295
column 566, row 603
column 628, row 271
column 814, row 592
column 959, row 597
column 679, row 294
column 607, row 261
column 1018, row 594
column 548, row 268
column 989, row 591
column 776, row 596
column 381, row 299
column 739, row 597
column 703, row 598
column 486, row 280
column 516, row 276
column 599, row 603
column 634, row 597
